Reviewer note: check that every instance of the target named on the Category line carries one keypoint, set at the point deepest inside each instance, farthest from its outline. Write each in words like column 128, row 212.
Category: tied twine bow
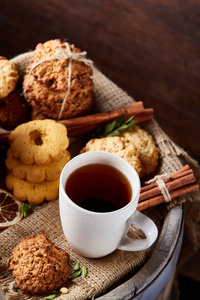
column 63, row 54
column 159, row 179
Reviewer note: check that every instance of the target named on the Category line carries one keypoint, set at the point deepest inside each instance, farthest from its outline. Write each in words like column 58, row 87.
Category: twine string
column 159, row 179
column 62, row 54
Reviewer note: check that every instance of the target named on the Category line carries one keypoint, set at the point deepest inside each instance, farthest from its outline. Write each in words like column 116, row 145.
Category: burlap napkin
column 104, row 272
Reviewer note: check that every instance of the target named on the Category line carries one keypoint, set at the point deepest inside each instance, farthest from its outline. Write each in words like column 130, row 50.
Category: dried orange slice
column 10, row 212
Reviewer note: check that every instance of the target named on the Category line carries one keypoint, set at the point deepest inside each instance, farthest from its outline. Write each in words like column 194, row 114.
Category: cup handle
column 148, row 227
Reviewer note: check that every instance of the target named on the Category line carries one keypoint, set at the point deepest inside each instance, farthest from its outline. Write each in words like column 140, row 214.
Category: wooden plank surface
column 149, row 48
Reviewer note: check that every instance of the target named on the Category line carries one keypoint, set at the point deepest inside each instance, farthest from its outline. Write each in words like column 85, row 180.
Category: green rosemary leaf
column 133, row 122
column 76, row 274
column 114, row 128
column 84, row 271
column 52, row 296
column 77, row 266
column 114, row 133
column 122, row 127
column 25, row 208
column 130, row 119
column 130, row 122
column 110, row 127
column 120, row 121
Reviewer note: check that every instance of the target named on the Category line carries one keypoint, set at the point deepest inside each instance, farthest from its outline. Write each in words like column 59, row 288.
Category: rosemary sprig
column 114, row 128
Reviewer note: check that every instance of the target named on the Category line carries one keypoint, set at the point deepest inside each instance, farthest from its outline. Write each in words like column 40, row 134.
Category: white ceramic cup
column 92, row 234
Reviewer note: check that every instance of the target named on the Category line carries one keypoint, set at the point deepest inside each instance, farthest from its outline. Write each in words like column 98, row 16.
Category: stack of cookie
column 135, row 145
column 13, row 106
column 55, row 83
column 37, row 154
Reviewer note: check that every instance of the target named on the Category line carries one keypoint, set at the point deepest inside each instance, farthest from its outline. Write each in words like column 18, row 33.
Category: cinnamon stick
column 175, row 181
column 179, row 183
column 175, row 175
column 170, row 186
column 132, row 109
column 160, row 199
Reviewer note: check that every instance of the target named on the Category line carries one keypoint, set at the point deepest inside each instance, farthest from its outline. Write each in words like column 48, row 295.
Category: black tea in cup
column 99, row 188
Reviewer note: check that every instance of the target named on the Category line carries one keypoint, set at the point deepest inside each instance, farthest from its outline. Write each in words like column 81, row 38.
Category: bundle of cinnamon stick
column 179, row 183
column 81, row 125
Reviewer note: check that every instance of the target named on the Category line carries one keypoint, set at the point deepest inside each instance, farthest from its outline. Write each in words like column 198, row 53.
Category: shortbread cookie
column 8, row 77
column 35, row 173
column 39, row 141
column 148, row 152
column 35, row 193
column 117, row 146
column 39, row 266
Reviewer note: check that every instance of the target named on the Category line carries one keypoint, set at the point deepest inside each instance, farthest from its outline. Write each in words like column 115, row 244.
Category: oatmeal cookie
column 8, row 77
column 35, row 173
column 118, row 146
column 148, row 152
column 13, row 110
column 54, row 73
column 34, row 193
column 79, row 84
column 47, row 104
column 38, row 265
column 46, row 83
column 75, row 107
column 39, row 141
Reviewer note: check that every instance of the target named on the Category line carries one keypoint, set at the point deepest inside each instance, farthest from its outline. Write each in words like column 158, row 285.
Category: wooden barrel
column 153, row 280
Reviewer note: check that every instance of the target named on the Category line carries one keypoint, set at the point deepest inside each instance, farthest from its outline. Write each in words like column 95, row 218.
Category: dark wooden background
column 151, row 49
